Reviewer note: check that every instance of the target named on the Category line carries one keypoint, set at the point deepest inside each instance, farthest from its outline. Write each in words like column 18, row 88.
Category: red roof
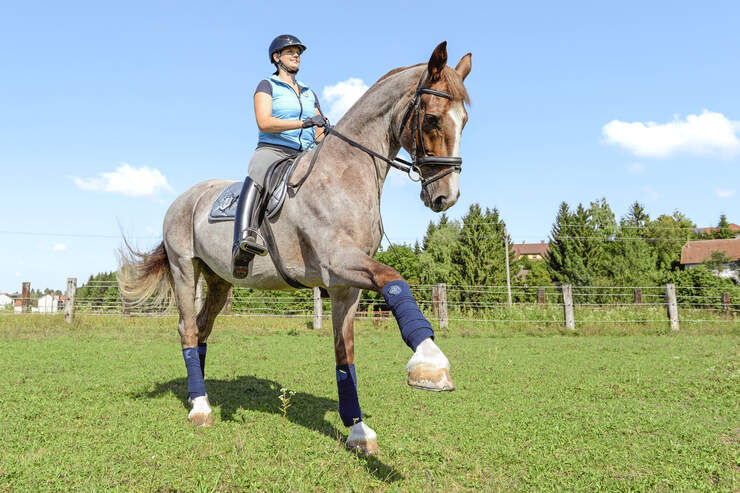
column 695, row 252
column 732, row 226
column 542, row 249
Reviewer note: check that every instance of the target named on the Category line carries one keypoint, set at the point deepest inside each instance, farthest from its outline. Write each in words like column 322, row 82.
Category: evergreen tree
column 436, row 260
column 723, row 231
column 631, row 261
column 480, row 258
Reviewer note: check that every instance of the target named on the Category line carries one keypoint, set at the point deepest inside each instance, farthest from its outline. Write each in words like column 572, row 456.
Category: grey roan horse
column 326, row 233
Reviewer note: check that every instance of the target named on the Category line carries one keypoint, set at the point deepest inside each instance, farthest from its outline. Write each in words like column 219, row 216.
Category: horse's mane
column 454, row 82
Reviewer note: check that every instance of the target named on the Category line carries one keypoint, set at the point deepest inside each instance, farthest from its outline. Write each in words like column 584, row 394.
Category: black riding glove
column 315, row 121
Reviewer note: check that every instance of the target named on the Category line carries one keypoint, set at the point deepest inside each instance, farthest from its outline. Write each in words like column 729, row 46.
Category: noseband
column 452, row 163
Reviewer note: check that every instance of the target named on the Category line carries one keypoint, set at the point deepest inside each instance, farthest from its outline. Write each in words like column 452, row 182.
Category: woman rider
column 287, row 112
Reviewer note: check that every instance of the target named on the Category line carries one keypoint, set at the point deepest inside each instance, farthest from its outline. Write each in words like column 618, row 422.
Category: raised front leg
column 428, row 368
column 344, row 305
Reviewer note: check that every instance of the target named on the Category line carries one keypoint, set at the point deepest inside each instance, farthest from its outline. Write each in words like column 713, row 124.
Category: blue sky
column 562, row 96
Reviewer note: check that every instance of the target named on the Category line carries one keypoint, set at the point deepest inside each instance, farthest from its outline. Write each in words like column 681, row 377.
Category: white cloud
column 725, row 194
column 341, row 96
column 706, row 133
column 636, row 168
column 127, row 180
column 58, row 247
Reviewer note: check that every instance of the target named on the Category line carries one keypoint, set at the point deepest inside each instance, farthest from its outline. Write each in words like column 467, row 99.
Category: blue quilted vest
column 288, row 106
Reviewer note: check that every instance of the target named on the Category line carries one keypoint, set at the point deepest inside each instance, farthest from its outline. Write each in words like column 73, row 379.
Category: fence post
column 435, row 300
column 638, row 296
column 726, row 304
column 26, row 297
column 317, row 308
column 568, row 306
column 444, row 322
column 229, row 305
column 670, row 299
column 540, row 296
column 69, row 300
column 508, row 273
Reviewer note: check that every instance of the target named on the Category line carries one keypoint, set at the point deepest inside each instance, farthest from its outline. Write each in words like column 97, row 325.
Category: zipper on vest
column 300, row 117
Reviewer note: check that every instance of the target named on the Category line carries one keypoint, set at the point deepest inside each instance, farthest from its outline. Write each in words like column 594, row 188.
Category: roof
column 695, row 252
column 542, row 249
column 732, row 226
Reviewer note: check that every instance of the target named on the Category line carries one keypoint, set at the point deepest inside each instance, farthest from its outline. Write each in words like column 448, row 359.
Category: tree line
column 588, row 247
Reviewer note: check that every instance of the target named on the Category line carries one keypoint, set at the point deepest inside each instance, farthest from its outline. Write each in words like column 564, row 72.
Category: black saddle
column 274, row 190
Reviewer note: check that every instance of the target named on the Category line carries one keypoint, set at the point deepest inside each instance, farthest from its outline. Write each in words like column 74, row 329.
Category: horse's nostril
column 440, row 202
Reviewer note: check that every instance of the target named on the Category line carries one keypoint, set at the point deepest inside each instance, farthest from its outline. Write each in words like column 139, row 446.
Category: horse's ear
column 437, row 61
column 464, row 65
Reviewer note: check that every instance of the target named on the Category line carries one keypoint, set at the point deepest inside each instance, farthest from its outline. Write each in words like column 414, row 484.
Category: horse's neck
column 374, row 119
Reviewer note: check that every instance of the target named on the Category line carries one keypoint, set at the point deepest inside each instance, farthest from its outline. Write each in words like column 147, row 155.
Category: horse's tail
column 144, row 277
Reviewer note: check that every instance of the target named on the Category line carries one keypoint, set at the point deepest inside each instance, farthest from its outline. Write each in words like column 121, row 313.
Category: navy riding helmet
column 283, row 41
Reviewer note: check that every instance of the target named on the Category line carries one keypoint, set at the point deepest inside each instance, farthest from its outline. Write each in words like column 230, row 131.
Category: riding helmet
column 282, row 42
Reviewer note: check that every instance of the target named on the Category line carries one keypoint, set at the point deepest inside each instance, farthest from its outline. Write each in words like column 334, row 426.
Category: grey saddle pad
column 276, row 182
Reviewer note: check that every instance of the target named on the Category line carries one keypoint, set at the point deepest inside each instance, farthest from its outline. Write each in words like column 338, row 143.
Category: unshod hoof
column 362, row 439
column 427, row 377
column 201, row 419
column 364, row 447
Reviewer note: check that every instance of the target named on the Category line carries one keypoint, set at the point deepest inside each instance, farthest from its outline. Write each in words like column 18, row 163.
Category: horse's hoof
column 427, row 377
column 200, row 414
column 201, row 420
column 362, row 439
column 429, row 368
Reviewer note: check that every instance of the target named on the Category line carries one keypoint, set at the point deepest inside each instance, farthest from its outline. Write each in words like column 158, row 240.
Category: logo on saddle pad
column 394, row 290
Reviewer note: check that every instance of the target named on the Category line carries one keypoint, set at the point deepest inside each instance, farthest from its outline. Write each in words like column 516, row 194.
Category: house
column 533, row 251
column 17, row 306
column 708, row 231
column 50, row 303
column 5, row 300
column 694, row 253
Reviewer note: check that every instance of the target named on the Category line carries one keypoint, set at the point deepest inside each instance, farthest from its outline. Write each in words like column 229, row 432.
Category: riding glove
column 315, row 121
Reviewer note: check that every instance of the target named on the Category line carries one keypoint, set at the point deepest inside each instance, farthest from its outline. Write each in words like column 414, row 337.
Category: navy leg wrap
column 202, row 348
column 414, row 327
column 349, row 403
column 196, row 385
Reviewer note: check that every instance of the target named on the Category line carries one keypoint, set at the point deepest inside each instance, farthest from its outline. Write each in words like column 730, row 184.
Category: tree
column 666, row 235
column 403, row 259
column 578, row 252
column 480, row 258
column 630, row 260
column 723, row 231
column 436, row 262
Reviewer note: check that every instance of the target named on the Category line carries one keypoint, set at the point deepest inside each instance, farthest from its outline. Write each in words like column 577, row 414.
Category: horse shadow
column 259, row 394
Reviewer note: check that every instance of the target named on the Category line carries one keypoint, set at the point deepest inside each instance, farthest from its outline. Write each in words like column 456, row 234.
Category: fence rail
column 566, row 305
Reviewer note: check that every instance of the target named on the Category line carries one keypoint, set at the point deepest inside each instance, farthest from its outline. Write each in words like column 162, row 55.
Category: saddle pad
column 224, row 208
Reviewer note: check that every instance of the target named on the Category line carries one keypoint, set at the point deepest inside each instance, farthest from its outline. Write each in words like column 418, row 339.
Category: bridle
column 418, row 160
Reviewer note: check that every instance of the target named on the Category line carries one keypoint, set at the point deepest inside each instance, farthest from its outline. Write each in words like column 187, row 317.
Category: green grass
column 100, row 405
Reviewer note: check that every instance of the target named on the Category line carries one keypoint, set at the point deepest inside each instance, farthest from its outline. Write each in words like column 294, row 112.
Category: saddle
column 274, row 189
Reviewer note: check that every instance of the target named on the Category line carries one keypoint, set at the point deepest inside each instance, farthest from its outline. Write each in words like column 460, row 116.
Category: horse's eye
column 431, row 120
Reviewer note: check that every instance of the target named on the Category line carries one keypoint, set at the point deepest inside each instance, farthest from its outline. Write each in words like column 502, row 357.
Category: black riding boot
column 245, row 229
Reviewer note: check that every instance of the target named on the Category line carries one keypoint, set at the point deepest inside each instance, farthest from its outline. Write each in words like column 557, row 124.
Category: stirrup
column 250, row 245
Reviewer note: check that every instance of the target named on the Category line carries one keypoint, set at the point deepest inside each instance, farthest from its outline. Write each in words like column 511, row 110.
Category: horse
column 326, row 233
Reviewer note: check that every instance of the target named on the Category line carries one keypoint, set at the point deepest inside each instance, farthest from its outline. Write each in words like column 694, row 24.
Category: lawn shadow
column 259, row 394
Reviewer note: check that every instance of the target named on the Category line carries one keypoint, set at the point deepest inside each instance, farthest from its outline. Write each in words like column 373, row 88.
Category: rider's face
column 291, row 57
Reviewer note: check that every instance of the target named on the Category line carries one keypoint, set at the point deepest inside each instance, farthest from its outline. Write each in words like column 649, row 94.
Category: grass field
column 101, row 406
